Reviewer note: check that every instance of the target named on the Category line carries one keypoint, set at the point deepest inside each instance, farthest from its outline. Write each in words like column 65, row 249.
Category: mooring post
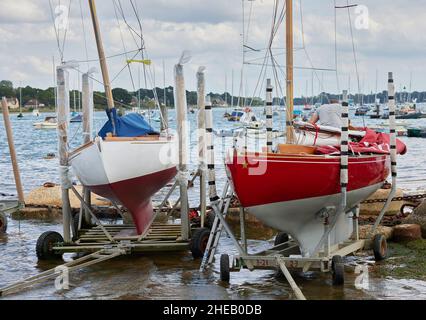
column 182, row 130
column 12, row 151
column 393, row 151
column 164, row 117
column 87, row 105
column 269, row 114
column 210, row 152
column 202, row 142
column 344, row 149
column 63, row 105
column 344, row 161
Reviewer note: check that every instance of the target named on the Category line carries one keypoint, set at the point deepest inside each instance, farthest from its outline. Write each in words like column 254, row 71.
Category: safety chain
column 415, row 198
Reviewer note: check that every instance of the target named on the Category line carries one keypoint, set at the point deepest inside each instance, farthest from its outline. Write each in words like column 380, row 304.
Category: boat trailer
column 286, row 255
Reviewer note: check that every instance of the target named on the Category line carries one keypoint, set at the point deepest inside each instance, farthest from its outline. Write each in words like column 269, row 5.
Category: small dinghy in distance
column 49, row 122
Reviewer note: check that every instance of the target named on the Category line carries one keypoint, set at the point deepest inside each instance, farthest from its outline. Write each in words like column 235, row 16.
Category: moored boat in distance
column 49, row 122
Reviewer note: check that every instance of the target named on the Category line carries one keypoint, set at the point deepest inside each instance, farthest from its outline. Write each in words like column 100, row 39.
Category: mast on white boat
column 102, row 60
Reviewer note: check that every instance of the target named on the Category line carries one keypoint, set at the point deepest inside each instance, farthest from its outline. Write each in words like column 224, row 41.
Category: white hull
column 107, row 162
column 300, row 218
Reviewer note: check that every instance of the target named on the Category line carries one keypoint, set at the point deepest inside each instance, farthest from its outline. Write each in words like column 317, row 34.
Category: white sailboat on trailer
column 128, row 162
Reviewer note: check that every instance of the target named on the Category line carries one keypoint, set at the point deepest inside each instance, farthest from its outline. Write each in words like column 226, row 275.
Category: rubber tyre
column 337, row 271
column 45, row 243
column 225, row 273
column 281, row 238
column 3, row 223
column 380, row 247
column 209, row 220
column 199, row 241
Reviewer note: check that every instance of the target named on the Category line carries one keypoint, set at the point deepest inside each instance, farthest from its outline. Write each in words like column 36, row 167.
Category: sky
column 394, row 40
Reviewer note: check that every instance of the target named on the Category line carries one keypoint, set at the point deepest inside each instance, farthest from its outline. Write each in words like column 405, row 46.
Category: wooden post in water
column 269, row 114
column 63, row 106
column 87, row 106
column 182, row 129
column 201, row 84
column 12, row 151
column 289, row 72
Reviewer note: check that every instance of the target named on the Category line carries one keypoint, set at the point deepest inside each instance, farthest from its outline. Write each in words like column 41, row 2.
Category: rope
column 335, row 47
column 123, row 44
column 84, row 35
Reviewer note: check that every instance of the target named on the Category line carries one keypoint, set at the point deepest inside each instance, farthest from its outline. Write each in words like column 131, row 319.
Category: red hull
column 287, row 178
column 135, row 194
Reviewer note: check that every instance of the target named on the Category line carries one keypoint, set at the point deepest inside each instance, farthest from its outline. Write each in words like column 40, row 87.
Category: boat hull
column 287, row 193
column 126, row 172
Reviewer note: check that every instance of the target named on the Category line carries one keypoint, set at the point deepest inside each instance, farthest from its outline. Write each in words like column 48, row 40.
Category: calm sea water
column 168, row 276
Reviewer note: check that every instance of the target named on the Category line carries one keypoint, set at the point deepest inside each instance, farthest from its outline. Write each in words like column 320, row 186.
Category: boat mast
column 289, row 71
column 101, row 54
column 20, row 98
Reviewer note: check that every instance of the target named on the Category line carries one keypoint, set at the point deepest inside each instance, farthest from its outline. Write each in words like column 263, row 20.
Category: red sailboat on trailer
column 289, row 189
column 128, row 162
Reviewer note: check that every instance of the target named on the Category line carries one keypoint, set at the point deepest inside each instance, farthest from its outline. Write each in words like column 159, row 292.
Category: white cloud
column 211, row 30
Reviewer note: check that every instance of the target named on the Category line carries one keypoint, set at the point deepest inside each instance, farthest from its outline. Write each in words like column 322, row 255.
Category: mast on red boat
column 289, row 72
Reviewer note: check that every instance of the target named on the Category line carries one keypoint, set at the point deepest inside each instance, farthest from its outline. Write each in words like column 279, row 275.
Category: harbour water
column 169, row 276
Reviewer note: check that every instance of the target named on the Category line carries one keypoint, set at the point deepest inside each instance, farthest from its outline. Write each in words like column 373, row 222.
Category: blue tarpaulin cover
column 130, row 125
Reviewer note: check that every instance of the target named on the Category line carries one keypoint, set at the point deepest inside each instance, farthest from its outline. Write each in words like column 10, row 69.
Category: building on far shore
column 33, row 104
column 13, row 103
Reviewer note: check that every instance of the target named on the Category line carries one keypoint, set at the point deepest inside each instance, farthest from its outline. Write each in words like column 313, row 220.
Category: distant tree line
column 127, row 99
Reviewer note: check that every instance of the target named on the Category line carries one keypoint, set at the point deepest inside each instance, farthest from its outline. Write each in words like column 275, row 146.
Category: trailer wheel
column 3, row 223
column 337, row 271
column 281, row 238
column 199, row 242
column 45, row 243
column 380, row 247
column 224, row 268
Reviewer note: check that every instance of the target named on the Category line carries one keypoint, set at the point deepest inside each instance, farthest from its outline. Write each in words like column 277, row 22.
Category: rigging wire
column 84, row 35
column 60, row 45
column 353, row 48
column 123, row 44
column 336, row 49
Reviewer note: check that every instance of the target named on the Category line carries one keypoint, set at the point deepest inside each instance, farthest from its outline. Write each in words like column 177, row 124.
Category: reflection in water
column 176, row 276
column 166, row 276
